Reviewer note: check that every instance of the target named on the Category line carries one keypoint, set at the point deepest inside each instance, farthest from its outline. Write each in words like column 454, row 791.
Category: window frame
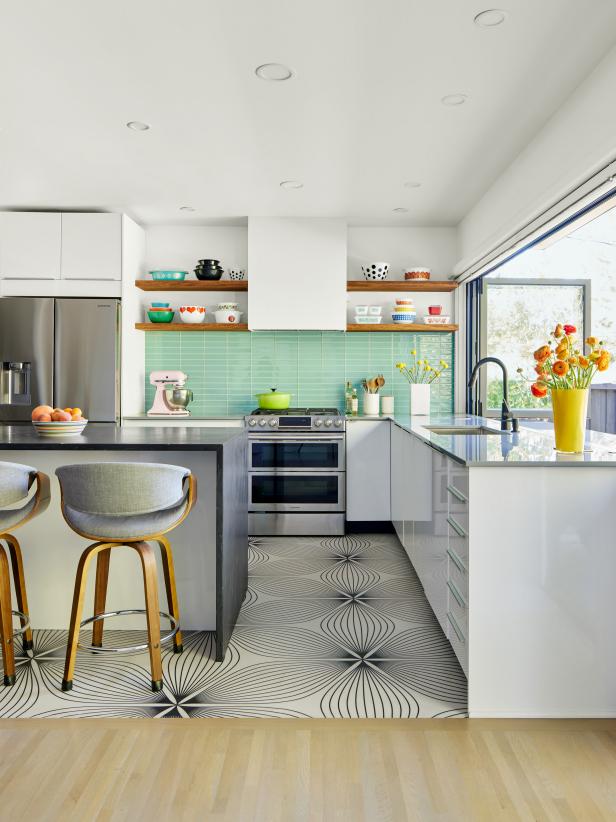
column 529, row 413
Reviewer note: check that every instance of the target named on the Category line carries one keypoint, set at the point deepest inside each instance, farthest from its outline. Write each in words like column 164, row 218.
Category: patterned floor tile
column 330, row 627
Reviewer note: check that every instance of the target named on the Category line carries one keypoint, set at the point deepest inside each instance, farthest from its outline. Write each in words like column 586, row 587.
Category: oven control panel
column 289, row 422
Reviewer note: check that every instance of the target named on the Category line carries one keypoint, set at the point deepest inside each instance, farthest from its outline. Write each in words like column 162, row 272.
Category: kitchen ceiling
column 361, row 116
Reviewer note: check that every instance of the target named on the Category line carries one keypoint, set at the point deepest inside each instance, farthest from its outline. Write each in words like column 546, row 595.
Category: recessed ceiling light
column 412, row 184
column 401, row 210
column 454, row 99
column 291, row 184
column 490, row 17
column 136, row 125
column 274, row 71
column 186, row 208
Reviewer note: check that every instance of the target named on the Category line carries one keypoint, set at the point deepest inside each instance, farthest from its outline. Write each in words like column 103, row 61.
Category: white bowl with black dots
column 237, row 273
column 375, row 271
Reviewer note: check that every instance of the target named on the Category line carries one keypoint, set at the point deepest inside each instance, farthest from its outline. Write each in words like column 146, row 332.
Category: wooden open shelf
column 401, row 285
column 414, row 327
column 192, row 285
column 191, row 327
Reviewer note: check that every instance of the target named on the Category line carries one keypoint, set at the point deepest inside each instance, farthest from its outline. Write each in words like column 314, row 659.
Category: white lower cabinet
column 368, row 471
column 430, row 512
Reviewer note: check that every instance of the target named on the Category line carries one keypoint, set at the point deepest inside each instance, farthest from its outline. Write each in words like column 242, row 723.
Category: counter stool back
column 125, row 504
column 16, row 481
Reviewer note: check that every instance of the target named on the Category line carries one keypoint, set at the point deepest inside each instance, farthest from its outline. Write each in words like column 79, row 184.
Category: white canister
column 387, row 405
column 371, row 404
column 420, row 399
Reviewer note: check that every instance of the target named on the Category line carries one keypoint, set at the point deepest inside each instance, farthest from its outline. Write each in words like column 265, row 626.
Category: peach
column 43, row 418
column 60, row 416
column 42, row 409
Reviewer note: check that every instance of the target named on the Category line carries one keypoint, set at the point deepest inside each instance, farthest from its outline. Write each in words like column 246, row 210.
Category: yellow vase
column 569, row 406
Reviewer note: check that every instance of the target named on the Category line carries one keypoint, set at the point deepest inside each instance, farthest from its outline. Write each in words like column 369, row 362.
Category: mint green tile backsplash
column 226, row 369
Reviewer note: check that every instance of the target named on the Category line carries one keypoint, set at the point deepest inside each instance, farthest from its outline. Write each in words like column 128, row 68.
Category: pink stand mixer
column 171, row 398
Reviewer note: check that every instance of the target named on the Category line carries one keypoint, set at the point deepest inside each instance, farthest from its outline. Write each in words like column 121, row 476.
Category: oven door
column 314, row 452
column 296, row 491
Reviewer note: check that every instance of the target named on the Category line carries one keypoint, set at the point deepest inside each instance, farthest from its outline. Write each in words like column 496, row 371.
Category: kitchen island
column 515, row 547
column 210, row 547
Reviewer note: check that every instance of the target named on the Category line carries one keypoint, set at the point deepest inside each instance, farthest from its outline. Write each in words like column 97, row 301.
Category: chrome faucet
column 506, row 413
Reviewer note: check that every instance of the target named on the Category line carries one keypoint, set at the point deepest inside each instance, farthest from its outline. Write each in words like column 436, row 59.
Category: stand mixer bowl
column 178, row 398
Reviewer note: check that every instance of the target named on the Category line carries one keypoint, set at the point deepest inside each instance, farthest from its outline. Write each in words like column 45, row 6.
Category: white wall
column 575, row 143
column 402, row 247
column 176, row 246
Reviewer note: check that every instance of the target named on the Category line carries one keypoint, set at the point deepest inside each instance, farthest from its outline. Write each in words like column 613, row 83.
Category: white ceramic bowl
column 236, row 273
column 403, row 318
column 228, row 317
column 367, row 320
column 375, row 310
column 59, row 429
column 361, row 310
column 192, row 314
column 375, row 271
column 227, row 307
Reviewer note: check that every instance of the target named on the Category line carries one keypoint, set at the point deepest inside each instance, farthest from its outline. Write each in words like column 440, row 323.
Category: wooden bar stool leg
column 152, row 609
column 100, row 595
column 19, row 581
column 172, row 594
column 77, row 609
column 6, row 620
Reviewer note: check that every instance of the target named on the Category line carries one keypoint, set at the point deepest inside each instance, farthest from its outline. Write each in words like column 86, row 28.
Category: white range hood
column 297, row 271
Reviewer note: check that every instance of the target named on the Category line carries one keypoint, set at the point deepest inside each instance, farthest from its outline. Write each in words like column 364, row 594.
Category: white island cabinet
column 514, row 547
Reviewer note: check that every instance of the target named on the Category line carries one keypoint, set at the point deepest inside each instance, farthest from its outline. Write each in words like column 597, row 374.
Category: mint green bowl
column 160, row 316
column 168, row 275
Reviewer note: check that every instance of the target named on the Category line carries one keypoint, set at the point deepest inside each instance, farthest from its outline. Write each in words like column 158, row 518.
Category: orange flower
column 538, row 389
column 541, row 354
column 540, row 368
column 558, row 331
column 573, row 360
column 603, row 363
column 562, row 352
column 560, row 368
column 591, row 341
column 584, row 361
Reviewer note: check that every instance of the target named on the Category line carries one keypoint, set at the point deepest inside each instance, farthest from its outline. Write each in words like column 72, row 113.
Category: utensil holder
column 371, row 404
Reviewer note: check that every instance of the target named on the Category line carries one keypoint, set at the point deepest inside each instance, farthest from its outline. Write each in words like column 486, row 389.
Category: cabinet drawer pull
column 456, row 527
column 456, row 560
column 457, row 494
column 456, row 627
column 456, row 594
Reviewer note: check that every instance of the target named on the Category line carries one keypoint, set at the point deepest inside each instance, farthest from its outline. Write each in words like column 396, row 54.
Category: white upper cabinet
column 91, row 246
column 297, row 273
column 30, row 245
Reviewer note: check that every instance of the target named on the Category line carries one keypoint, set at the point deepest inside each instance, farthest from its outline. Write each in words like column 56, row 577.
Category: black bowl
column 209, row 267
column 209, row 270
column 208, row 275
column 208, row 262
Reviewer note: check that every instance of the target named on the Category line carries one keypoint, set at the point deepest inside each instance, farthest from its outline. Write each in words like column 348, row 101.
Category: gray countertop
column 106, row 436
column 532, row 446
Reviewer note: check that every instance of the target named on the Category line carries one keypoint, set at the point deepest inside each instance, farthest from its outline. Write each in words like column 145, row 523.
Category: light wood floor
column 235, row 769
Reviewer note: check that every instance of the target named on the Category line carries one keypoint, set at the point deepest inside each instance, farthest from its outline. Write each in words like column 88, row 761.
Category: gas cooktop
column 295, row 419
column 296, row 412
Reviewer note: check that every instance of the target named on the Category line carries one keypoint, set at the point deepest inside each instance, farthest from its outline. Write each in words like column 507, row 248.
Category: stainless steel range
column 296, row 472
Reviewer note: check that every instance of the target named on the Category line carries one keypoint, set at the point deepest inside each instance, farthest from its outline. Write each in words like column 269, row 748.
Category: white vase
column 419, row 399
column 371, row 404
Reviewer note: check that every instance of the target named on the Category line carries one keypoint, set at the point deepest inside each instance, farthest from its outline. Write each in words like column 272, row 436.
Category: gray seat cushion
column 13, row 516
column 125, row 526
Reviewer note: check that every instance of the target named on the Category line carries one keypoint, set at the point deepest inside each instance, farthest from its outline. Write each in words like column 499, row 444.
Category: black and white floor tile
column 331, row 627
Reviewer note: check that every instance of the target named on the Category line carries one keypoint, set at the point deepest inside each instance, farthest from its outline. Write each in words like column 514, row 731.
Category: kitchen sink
column 475, row 430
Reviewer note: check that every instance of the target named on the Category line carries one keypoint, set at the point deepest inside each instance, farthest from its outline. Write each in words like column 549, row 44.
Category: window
column 516, row 316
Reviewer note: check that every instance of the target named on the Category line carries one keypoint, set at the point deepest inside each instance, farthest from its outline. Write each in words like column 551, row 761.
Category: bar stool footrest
column 129, row 649
column 23, row 628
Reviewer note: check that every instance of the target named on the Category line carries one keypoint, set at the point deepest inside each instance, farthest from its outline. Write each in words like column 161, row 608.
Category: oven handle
column 298, row 440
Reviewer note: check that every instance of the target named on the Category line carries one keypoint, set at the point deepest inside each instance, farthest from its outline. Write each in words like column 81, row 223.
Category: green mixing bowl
column 168, row 275
column 160, row 316
column 274, row 400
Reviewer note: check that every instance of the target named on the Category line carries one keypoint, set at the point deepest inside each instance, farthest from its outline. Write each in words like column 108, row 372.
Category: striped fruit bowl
column 59, row 429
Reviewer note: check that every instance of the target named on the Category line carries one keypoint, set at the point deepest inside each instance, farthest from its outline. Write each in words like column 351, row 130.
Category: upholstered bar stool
column 16, row 482
column 125, row 504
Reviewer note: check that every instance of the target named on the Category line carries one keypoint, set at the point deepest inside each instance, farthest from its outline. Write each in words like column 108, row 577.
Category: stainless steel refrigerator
column 59, row 352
